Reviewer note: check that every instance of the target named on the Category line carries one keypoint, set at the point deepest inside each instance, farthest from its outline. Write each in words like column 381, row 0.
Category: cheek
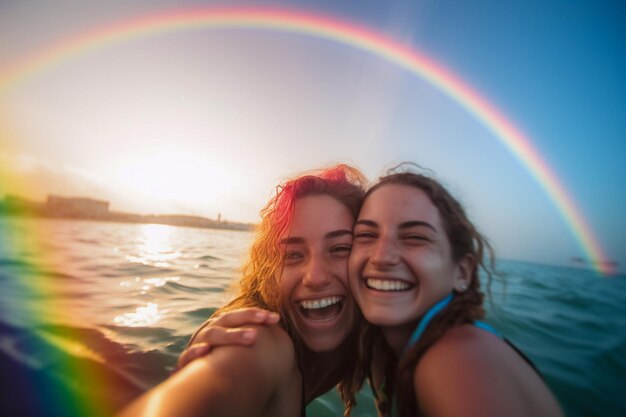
column 354, row 271
column 433, row 265
column 357, row 255
column 341, row 269
column 286, row 282
column 353, row 263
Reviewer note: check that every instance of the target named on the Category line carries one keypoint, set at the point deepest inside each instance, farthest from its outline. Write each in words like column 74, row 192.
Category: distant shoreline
column 81, row 208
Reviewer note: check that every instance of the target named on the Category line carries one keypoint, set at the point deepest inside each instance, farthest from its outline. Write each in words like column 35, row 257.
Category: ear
column 464, row 268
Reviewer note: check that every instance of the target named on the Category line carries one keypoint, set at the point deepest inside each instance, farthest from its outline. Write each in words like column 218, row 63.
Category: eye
column 364, row 235
column 342, row 251
column 415, row 238
column 291, row 257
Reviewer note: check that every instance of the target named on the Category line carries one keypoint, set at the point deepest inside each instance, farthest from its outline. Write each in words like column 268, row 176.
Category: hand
column 226, row 329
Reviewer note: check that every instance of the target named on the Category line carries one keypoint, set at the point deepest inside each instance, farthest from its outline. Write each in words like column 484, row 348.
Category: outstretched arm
column 232, row 381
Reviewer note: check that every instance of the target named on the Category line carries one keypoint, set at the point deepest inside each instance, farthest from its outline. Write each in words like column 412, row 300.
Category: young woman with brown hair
column 414, row 272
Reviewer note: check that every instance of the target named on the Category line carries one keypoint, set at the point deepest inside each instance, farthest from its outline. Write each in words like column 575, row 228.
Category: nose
column 385, row 253
column 318, row 273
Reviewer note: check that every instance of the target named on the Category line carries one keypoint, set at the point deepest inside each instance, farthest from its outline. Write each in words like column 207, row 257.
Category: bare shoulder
column 461, row 354
column 483, row 374
column 271, row 357
column 464, row 343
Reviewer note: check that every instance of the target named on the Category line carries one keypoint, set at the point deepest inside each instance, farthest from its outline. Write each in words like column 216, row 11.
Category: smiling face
column 314, row 283
column 401, row 262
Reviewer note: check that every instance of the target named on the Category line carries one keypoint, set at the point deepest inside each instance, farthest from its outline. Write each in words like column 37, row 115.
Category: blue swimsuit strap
column 425, row 321
column 487, row 327
column 431, row 313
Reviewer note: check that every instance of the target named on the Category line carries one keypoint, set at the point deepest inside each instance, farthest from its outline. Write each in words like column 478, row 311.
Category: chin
column 321, row 345
column 328, row 340
column 383, row 317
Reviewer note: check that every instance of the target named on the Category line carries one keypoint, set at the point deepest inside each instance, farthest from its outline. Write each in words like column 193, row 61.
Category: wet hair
column 466, row 306
column 258, row 285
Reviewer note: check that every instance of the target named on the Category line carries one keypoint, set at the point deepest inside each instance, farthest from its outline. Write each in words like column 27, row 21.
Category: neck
column 323, row 370
column 398, row 336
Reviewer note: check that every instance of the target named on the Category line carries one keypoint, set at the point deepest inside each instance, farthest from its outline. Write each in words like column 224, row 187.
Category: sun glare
column 142, row 316
column 155, row 246
column 174, row 179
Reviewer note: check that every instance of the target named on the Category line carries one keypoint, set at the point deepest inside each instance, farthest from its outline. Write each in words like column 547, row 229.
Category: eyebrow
column 338, row 233
column 405, row 225
column 365, row 223
column 329, row 235
column 416, row 223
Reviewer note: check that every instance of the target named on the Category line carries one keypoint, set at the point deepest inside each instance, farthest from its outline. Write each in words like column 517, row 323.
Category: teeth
column 321, row 303
column 387, row 285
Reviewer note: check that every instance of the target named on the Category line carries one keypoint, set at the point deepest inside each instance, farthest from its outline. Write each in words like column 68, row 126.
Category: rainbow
column 345, row 33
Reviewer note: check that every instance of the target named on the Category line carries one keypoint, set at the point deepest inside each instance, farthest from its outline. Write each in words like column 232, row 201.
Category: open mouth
column 388, row 285
column 322, row 309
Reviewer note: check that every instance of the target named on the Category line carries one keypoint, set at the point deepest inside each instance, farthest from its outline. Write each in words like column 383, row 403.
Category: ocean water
column 100, row 312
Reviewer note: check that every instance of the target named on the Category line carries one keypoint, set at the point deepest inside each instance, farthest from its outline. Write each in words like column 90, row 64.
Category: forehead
column 319, row 214
column 399, row 203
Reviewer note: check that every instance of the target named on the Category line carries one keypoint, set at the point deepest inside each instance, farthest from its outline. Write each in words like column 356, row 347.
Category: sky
column 207, row 121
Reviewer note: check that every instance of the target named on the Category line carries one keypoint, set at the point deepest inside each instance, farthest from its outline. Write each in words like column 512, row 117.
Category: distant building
column 79, row 207
column 91, row 209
